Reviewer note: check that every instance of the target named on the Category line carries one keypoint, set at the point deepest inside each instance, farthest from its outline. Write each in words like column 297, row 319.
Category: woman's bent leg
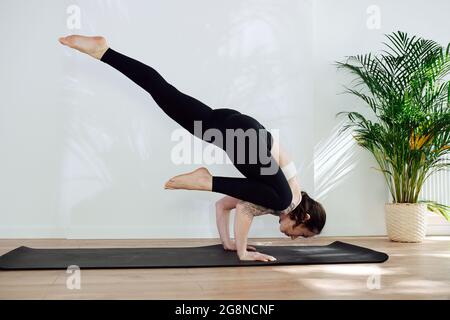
column 276, row 196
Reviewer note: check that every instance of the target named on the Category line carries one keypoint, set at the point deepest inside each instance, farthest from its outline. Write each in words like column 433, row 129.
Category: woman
column 270, row 185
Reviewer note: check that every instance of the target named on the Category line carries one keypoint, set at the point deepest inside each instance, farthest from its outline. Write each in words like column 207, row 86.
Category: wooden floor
column 413, row 271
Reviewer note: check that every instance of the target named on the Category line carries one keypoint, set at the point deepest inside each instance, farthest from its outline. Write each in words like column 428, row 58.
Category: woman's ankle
column 99, row 55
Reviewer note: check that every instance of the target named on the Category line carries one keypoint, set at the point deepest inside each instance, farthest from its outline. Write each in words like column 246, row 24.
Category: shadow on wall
column 334, row 159
column 257, row 49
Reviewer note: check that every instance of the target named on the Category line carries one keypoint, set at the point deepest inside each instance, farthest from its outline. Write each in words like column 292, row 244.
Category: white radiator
column 437, row 187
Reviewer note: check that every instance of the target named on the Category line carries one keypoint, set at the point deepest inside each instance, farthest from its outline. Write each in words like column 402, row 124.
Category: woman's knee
column 226, row 203
column 220, row 205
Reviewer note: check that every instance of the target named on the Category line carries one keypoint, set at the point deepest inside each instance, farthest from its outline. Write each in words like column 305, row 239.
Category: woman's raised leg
column 180, row 107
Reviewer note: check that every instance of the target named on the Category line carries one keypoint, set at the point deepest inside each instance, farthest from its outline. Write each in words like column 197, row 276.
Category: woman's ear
column 307, row 217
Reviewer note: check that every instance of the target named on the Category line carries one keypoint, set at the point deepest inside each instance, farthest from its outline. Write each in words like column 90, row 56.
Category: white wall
column 85, row 152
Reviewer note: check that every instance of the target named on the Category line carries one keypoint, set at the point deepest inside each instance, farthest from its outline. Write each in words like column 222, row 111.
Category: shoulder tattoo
column 254, row 210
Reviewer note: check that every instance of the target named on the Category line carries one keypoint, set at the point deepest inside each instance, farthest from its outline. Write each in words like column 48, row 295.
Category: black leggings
column 268, row 190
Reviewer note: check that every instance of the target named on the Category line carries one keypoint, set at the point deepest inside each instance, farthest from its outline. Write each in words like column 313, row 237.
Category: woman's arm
column 223, row 209
column 242, row 222
column 283, row 159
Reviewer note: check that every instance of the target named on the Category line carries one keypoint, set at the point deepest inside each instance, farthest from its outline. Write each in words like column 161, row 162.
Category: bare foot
column 93, row 46
column 199, row 179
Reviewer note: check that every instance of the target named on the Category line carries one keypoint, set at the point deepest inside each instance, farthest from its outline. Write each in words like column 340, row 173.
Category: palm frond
column 406, row 89
column 435, row 207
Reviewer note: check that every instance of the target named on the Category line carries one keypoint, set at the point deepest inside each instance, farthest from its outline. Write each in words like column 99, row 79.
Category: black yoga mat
column 24, row 258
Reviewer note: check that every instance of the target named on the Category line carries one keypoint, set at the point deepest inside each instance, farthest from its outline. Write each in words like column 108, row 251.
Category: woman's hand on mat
column 255, row 256
column 231, row 246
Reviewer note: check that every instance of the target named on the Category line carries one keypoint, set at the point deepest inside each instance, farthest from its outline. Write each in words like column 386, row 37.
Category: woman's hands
column 231, row 246
column 255, row 256
column 250, row 254
column 242, row 222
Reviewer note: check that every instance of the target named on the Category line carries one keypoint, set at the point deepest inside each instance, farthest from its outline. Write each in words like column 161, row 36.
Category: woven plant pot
column 406, row 222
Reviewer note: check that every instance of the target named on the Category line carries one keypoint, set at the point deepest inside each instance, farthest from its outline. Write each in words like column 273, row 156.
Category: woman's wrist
column 227, row 242
column 223, row 220
column 241, row 253
column 241, row 248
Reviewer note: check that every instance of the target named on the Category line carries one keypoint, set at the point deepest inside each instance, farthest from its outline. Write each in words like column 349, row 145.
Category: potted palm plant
column 408, row 95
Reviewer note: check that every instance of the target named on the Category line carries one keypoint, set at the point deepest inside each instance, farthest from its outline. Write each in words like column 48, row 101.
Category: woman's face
column 287, row 227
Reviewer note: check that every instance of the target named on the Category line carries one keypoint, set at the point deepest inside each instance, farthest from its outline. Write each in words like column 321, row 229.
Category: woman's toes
column 68, row 40
column 170, row 184
column 167, row 185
